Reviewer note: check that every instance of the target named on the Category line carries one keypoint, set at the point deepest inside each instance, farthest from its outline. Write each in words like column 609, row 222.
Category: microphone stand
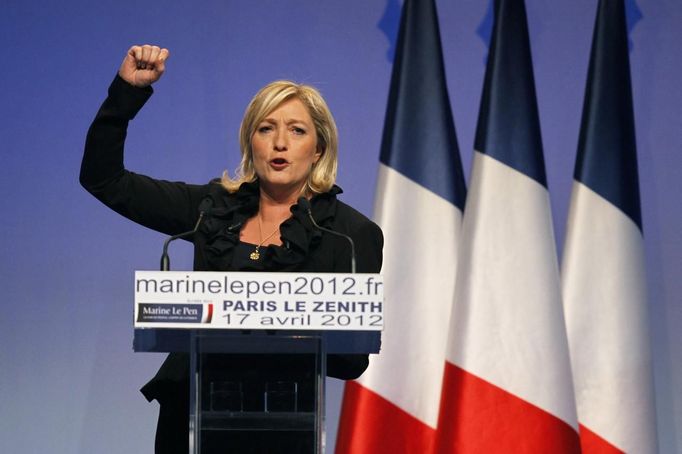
column 305, row 206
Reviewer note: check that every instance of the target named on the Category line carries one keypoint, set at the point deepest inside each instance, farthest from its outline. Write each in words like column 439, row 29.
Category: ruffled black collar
column 230, row 212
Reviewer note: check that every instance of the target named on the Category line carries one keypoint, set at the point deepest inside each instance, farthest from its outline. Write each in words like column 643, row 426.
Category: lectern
column 285, row 323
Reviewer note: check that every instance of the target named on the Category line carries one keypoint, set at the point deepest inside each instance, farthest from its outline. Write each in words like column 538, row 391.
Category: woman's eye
column 264, row 129
column 299, row 131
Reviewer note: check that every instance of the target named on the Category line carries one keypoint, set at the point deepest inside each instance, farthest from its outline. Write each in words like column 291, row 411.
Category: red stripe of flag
column 592, row 443
column 487, row 419
column 364, row 411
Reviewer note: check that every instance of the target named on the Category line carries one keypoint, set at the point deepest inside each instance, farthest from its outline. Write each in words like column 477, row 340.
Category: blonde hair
column 323, row 174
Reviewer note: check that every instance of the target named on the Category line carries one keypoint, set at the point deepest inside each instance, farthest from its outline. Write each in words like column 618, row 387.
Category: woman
column 289, row 149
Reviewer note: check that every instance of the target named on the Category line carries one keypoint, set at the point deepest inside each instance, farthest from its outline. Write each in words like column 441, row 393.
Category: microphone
column 204, row 210
column 304, row 204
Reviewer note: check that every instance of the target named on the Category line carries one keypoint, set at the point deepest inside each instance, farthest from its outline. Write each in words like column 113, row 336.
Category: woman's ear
column 318, row 153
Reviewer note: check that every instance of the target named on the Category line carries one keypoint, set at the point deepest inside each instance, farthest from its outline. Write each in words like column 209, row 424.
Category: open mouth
column 278, row 163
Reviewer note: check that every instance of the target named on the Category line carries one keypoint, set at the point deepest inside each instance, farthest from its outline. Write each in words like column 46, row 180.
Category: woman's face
column 285, row 147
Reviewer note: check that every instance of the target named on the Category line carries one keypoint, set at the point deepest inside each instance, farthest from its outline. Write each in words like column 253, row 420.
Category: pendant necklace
column 255, row 255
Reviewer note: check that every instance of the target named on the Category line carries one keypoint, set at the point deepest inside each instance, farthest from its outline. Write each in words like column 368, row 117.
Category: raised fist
column 143, row 65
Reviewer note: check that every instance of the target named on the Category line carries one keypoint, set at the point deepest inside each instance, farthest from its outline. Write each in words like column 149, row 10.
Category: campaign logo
column 174, row 313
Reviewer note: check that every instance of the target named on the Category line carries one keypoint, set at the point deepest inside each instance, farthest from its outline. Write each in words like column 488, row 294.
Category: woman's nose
column 280, row 142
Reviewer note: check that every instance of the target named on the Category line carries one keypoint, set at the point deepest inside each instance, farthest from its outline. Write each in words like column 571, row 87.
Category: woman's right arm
column 169, row 207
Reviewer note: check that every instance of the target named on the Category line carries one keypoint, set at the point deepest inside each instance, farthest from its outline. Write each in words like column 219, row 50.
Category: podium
column 258, row 360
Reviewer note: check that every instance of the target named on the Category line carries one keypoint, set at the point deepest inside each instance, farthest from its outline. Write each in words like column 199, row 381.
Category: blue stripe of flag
column 419, row 139
column 607, row 151
column 508, row 123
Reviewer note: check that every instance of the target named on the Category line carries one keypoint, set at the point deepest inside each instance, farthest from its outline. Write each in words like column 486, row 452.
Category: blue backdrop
column 68, row 377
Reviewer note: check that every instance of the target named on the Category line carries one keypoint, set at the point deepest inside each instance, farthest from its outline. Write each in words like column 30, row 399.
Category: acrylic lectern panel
column 256, row 391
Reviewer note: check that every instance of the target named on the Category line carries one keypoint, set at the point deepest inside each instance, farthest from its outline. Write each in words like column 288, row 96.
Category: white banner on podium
column 238, row 300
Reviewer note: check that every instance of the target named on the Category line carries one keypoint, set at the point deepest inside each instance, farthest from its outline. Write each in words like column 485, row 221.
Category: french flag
column 393, row 407
column 507, row 385
column 604, row 280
